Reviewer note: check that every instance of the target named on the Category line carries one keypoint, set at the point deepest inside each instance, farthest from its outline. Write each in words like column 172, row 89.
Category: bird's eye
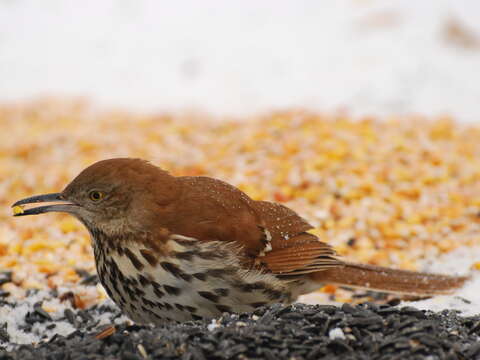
column 96, row 195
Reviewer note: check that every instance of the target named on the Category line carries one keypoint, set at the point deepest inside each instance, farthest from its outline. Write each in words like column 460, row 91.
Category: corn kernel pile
column 381, row 191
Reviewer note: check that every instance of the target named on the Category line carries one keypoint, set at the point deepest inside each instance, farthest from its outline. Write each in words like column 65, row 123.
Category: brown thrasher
column 182, row 248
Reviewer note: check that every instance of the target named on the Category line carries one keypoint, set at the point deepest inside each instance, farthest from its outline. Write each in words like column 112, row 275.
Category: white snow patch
column 213, row 325
column 336, row 333
column 14, row 318
column 242, row 57
column 466, row 299
column 316, row 298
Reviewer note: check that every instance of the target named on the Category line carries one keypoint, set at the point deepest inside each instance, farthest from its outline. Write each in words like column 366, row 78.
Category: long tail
column 389, row 280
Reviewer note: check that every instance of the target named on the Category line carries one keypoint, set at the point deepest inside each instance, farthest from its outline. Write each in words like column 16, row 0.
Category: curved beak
column 64, row 206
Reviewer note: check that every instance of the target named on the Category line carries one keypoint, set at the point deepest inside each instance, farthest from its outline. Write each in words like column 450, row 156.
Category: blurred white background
column 242, row 57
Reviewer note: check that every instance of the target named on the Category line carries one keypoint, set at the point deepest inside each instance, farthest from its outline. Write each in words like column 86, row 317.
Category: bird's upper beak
column 64, row 206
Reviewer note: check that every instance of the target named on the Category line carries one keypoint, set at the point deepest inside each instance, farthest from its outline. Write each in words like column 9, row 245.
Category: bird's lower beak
column 64, row 206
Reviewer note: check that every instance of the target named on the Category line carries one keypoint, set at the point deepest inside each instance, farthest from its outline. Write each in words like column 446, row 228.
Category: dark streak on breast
column 137, row 263
column 209, row 296
column 149, row 256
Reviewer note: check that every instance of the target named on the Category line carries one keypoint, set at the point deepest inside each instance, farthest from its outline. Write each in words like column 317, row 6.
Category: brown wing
column 282, row 223
column 293, row 251
column 270, row 234
column 214, row 210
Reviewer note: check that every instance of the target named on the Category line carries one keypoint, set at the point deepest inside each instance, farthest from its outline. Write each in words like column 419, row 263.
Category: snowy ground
column 224, row 57
column 467, row 299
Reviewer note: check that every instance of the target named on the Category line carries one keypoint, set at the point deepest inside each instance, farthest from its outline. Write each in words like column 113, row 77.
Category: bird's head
column 110, row 195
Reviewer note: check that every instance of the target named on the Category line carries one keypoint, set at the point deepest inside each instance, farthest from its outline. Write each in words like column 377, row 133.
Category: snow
column 13, row 318
column 467, row 299
column 336, row 333
column 213, row 325
column 237, row 58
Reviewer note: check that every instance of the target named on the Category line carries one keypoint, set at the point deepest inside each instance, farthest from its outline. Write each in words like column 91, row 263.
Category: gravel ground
column 367, row 331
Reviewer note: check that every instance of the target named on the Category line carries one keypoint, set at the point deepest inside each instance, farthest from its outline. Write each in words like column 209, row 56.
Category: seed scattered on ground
column 272, row 333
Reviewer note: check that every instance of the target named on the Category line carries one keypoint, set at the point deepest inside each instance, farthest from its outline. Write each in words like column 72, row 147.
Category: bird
column 183, row 248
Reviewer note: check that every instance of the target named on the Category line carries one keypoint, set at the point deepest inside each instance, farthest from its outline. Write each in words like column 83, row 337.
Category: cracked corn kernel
column 69, row 225
column 329, row 289
column 408, row 185
column 17, row 210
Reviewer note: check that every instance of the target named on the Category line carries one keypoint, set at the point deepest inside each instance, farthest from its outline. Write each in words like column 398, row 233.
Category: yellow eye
column 96, row 195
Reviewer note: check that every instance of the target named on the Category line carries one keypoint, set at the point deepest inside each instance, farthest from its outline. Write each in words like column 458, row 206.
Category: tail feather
column 389, row 280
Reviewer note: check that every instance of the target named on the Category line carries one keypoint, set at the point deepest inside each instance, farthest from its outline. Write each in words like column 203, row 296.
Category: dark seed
column 258, row 304
column 5, row 277
column 90, row 280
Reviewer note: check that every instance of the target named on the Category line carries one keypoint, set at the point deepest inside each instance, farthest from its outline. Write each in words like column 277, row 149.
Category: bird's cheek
column 85, row 215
